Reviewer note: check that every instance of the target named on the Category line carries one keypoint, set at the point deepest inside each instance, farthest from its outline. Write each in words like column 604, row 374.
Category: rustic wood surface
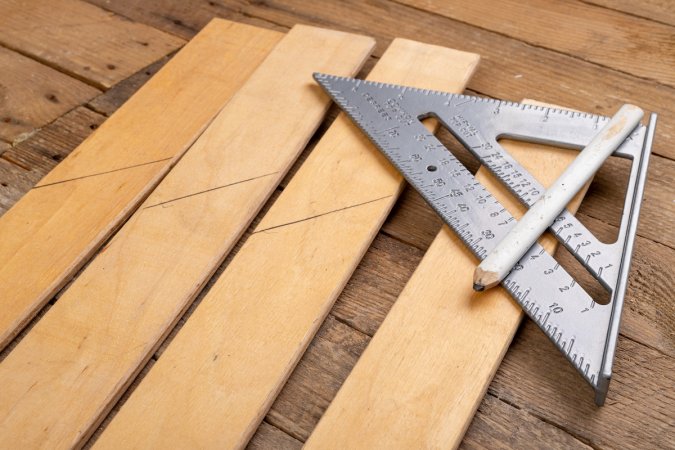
column 590, row 55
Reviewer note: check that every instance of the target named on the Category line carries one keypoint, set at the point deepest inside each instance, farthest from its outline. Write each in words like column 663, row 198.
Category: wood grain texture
column 499, row 425
column 447, row 341
column 276, row 291
column 44, row 149
column 32, row 95
column 657, row 10
column 81, row 39
column 129, row 297
column 327, row 363
column 108, row 102
column 511, row 69
column 638, row 412
column 619, row 41
column 52, row 231
column 183, row 18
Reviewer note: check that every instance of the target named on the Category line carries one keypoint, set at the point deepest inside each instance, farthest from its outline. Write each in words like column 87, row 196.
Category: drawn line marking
column 320, row 215
column 211, row 189
column 101, row 173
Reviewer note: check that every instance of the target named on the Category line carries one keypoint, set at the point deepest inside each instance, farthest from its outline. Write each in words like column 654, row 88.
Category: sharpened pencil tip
column 478, row 287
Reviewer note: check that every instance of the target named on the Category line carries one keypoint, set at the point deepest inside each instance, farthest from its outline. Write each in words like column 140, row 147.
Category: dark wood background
column 591, row 55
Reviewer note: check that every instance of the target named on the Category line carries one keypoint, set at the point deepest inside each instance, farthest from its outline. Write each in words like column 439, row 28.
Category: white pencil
column 541, row 215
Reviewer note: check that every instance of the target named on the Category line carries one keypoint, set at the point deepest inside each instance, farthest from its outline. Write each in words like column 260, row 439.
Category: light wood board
column 427, row 368
column 215, row 381
column 81, row 39
column 99, row 334
column 56, row 226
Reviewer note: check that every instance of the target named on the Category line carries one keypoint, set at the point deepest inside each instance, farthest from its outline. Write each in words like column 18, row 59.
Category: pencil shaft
column 544, row 211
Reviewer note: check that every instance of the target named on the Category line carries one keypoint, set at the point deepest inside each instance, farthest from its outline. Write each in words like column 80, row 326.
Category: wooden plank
column 41, row 152
column 14, row 182
column 648, row 317
column 276, row 291
column 181, row 18
column 511, row 69
column 81, row 39
column 130, row 296
column 317, row 377
column 427, row 392
column 638, row 413
column 498, row 425
column 657, row 10
column 619, row 41
column 657, row 212
column 32, row 95
column 52, row 231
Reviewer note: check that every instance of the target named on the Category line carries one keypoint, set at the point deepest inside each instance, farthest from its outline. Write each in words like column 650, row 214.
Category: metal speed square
column 585, row 331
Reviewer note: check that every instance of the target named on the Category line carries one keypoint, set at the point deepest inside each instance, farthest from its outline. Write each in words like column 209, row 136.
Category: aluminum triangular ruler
column 586, row 332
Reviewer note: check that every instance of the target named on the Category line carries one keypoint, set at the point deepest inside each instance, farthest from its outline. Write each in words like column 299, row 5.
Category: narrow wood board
column 82, row 39
column 52, row 231
column 102, row 330
column 604, row 36
column 427, row 368
column 213, row 384
column 32, row 95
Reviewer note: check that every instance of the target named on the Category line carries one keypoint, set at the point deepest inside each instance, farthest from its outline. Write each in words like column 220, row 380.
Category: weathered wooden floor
column 63, row 74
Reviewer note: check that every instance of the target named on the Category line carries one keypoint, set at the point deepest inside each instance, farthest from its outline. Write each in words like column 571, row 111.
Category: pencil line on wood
column 102, row 173
column 320, row 215
column 211, row 189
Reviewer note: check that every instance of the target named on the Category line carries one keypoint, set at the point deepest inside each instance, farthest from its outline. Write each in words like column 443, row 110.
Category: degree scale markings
column 390, row 116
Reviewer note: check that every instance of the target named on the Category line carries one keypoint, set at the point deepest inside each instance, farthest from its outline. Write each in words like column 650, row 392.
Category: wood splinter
column 499, row 262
